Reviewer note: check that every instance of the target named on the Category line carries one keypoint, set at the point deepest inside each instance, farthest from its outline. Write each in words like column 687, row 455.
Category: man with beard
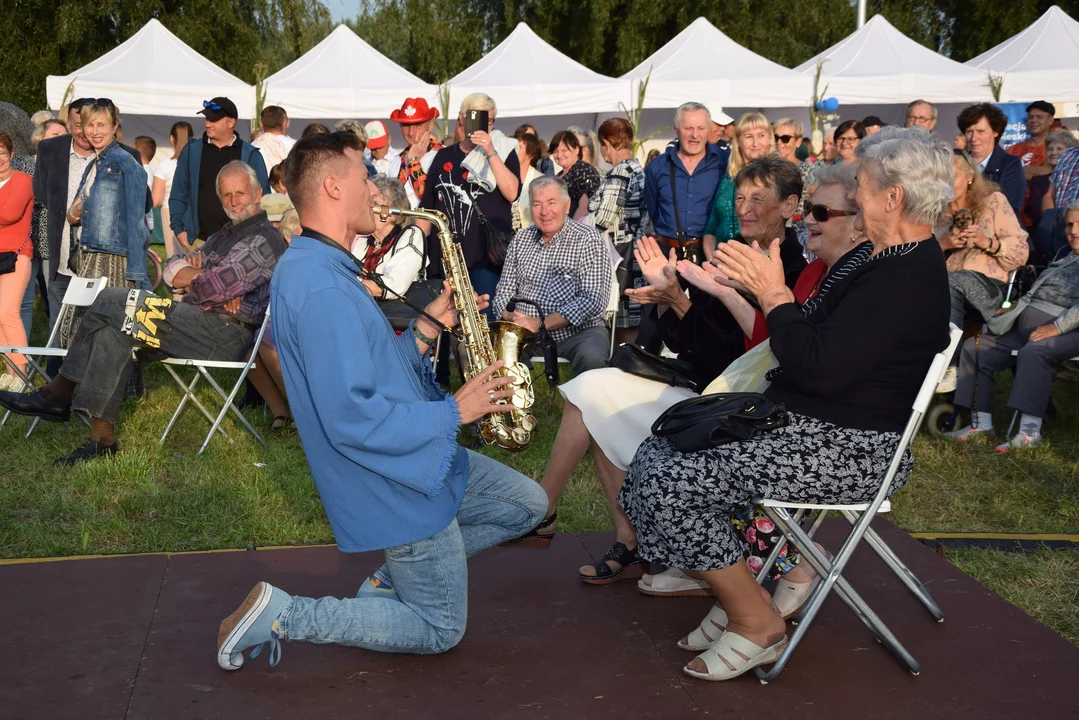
column 236, row 264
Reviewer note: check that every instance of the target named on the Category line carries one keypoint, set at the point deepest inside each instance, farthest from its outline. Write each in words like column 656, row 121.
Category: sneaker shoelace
column 275, row 647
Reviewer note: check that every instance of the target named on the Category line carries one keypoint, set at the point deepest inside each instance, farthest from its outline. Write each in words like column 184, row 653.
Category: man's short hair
column 480, row 101
column 547, row 181
column 691, row 107
column 235, row 168
column 311, row 159
column 994, row 115
column 916, row 103
column 616, row 132
column 784, row 178
column 146, row 146
column 273, row 117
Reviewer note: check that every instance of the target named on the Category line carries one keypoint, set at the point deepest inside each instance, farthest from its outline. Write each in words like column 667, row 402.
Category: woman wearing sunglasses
column 108, row 212
column 983, row 243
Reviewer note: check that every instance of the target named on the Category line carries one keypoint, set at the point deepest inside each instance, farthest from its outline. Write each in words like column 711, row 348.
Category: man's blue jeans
column 430, row 576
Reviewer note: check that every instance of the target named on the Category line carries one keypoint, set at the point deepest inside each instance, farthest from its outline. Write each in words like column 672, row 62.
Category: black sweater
column 707, row 336
column 860, row 359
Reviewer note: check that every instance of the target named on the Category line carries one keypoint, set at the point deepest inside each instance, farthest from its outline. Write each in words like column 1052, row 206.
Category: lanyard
column 372, row 276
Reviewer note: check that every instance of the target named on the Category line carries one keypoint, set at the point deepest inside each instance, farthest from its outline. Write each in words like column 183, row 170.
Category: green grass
column 154, row 498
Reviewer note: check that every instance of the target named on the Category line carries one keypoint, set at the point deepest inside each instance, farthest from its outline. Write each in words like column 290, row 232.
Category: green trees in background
column 436, row 39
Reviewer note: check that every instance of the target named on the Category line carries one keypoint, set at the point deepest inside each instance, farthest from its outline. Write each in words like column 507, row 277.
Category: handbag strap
column 674, row 200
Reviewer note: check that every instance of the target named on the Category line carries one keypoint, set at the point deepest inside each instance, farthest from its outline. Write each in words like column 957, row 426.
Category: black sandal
column 534, row 538
column 285, row 420
column 632, row 566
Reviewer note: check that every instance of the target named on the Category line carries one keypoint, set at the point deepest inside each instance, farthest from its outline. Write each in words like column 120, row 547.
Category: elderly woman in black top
column 850, row 371
column 581, row 178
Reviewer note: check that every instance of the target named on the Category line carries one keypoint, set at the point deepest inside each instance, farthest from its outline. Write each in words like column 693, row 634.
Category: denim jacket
column 114, row 214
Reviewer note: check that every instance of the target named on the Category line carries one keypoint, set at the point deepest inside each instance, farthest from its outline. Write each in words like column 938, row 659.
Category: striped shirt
column 1066, row 178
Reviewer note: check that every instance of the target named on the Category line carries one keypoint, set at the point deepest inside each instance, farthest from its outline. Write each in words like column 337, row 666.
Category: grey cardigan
column 1056, row 292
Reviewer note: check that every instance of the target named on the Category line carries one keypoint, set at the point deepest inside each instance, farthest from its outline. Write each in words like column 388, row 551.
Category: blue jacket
column 379, row 434
column 1007, row 172
column 184, row 199
column 695, row 192
column 114, row 214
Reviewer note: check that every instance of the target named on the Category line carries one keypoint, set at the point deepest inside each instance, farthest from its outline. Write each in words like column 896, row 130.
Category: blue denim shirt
column 379, row 434
column 695, row 192
column 114, row 214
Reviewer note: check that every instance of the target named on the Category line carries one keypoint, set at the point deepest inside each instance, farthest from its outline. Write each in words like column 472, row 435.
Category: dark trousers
column 57, row 290
column 1034, row 365
column 121, row 321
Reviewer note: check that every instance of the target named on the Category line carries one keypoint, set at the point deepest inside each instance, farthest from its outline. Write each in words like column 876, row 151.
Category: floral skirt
column 691, row 510
column 96, row 265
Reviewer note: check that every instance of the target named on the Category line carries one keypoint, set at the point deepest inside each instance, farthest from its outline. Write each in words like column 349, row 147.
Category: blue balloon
column 830, row 104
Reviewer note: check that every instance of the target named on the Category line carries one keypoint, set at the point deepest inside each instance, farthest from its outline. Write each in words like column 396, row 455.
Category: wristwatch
column 421, row 337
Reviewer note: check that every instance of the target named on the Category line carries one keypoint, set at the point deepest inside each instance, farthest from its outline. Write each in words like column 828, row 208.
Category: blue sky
column 342, row 9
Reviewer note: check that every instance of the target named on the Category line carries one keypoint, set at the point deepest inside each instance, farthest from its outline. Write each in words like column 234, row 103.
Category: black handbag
column 498, row 242
column 711, row 420
column 9, row 258
column 637, row 361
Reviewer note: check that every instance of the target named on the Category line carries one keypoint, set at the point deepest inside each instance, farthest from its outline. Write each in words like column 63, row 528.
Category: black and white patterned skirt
column 682, row 503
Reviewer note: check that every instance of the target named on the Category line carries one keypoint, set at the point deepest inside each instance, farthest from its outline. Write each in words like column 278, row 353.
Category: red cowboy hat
column 413, row 112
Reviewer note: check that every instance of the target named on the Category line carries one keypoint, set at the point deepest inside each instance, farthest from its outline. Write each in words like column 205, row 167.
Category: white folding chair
column 81, row 292
column 614, row 306
column 860, row 516
column 202, row 370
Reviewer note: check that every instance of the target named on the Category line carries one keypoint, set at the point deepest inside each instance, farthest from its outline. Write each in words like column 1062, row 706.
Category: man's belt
column 676, row 243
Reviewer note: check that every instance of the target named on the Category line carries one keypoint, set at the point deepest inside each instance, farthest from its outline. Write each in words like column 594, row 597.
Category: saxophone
column 483, row 345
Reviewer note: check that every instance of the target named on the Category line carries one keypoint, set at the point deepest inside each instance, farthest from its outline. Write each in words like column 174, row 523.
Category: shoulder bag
column 709, row 421
column 9, row 258
column 497, row 241
column 635, row 360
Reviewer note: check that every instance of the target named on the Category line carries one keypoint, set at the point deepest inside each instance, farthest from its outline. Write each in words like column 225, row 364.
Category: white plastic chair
column 81, row 292
column 614, row 306
column 202, row 370
column 860, row 516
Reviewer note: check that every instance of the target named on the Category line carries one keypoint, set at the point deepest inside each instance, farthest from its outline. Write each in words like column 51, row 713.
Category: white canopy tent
column 343, row 77
column 880, row 65
column 1041, row 62
column 153, row 73
column 529, row 78
column 701, row 63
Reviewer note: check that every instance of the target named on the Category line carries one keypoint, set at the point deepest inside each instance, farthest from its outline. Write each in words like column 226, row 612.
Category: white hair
column 916, row 103
column 799, row 128
column 238, row 166
column 691, row 107
column 840, row 174
column 918, row 162
column 1074, row 207
column 480, row 101
column 545, row 181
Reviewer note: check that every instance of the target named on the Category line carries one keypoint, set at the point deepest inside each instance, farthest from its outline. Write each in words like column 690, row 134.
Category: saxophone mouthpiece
column 383, row 211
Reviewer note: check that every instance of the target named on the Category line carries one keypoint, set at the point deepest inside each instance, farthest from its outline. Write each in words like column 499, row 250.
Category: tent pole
column 861, row 14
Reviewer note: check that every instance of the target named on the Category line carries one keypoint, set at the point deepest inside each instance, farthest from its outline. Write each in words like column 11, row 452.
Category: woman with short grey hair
column 395, row 250
column 849, row 371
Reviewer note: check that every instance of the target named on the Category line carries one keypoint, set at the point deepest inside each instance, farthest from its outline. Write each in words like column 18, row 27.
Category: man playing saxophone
column 380, row 438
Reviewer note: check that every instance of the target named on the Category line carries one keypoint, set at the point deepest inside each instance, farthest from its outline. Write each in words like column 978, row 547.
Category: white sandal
column 733, row 655
column 711, row 629
column 672, row 582
column 789, row 597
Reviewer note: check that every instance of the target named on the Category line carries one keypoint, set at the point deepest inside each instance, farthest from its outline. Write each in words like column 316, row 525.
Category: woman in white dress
column 166, row 169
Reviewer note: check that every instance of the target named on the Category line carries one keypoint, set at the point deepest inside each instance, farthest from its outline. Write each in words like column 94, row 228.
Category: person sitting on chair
column 237, row 261
column 565, row 268
column 849, row 372
column 1041, row 330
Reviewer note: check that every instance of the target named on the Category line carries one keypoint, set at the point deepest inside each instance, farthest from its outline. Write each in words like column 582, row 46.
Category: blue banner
column 1016, row 131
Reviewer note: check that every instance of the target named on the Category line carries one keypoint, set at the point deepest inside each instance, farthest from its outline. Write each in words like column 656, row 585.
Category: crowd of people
column 847, row 264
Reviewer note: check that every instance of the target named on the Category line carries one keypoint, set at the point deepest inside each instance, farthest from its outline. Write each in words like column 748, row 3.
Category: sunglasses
column 82, row 102
column 210, row 105
column 823, row 213
column 784, row 138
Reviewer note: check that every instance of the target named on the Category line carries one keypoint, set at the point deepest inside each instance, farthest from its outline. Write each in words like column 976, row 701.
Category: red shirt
column 807, row 286
column 16, row 207
column 1036, row 152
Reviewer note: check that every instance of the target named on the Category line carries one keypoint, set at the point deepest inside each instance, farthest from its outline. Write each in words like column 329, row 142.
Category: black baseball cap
column 871, row 121
column 1043, row 106
column 219, row 107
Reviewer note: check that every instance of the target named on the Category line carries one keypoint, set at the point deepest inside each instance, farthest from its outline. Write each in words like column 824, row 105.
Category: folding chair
column 614, row 306
column 81, row 292
column 860, row 517
column 202, row 370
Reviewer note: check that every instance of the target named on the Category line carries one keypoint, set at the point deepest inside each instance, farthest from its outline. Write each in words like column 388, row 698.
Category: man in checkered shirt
column 565, row 268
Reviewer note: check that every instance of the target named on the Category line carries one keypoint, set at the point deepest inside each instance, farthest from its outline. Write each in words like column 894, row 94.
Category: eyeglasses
column 847, row 140
column 784, row 138
column 823, row 213
column 82, row 102
column 965, row 155
column 919, row 119
column 210, row 105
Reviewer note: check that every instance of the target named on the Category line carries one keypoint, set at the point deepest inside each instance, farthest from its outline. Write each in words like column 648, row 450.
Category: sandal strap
column 620, row 554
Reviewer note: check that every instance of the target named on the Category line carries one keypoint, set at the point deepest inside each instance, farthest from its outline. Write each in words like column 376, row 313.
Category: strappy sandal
column 732, row 655
column 711, row 629
column 631, row 566
column 285, row 420
column 534, row 538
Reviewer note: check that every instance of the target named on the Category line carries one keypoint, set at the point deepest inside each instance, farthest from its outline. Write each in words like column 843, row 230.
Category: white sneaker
column 1022, row 441
column 968, row 433
column 5, row 381
column 14, row 384
column 948, row 382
